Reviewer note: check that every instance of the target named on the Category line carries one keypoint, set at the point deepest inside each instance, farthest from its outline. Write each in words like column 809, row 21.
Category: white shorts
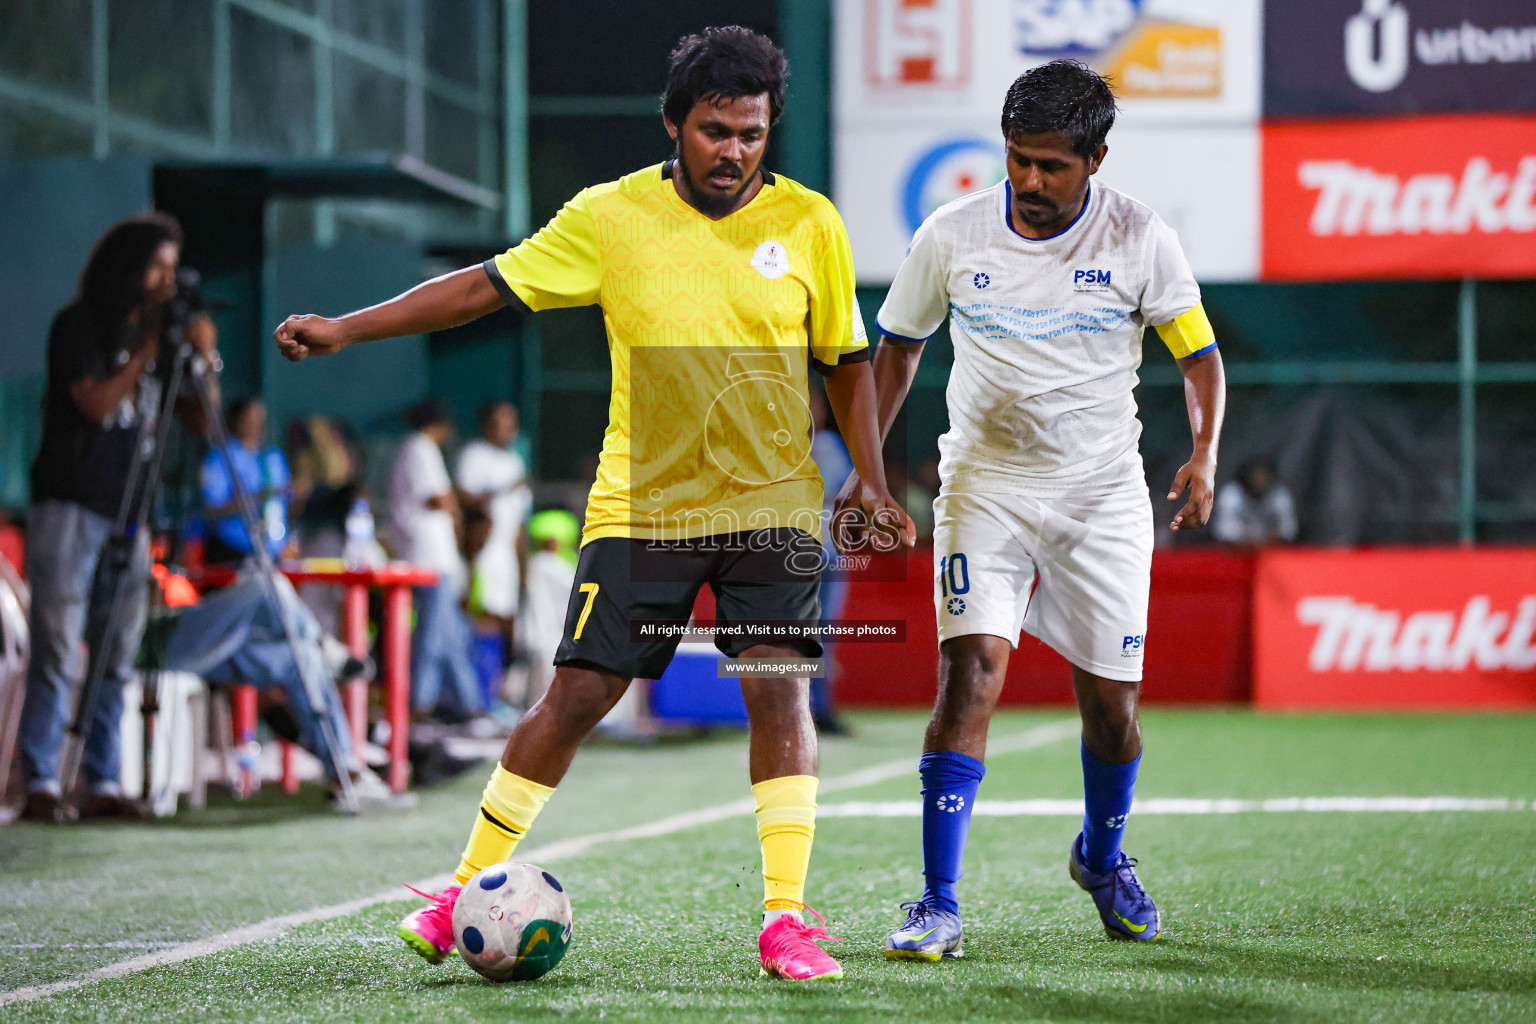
column 1072, row 572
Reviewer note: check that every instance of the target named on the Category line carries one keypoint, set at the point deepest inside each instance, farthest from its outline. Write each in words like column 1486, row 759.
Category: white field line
column 1174, row 805
column 560, row 849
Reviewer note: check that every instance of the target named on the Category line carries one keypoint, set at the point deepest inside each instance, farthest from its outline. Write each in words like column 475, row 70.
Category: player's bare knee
column 776, row 698
column 973, row 661
column 577, row 701
column 970, row 681
column 1112, row 731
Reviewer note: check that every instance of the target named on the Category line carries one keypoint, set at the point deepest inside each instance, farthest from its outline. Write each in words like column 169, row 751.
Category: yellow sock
column 507, row 809
column 786, row 826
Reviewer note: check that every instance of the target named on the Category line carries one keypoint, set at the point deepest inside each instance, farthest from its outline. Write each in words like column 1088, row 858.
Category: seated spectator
column 234, row 635
column 1255, row 508
column 425, row 514
column 262, row 471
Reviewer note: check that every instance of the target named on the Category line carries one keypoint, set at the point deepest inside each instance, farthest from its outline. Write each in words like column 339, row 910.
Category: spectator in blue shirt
column 262, row 470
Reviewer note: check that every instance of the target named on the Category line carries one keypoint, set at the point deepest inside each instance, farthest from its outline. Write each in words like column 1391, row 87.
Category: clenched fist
column 307, row 335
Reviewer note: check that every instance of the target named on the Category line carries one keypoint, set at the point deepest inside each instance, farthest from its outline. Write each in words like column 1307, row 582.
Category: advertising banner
column 920, row 88
column 1405, row 628
column 1426, row 197
column 904, row 175
column 1328, row 57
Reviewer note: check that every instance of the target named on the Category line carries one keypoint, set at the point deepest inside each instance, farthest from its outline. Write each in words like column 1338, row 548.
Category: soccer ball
column 512, row 922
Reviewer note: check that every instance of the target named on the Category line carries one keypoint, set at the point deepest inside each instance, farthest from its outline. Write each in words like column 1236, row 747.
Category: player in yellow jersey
column 721, row 284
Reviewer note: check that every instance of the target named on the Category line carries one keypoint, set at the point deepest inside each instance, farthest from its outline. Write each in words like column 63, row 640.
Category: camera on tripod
column 188, row 303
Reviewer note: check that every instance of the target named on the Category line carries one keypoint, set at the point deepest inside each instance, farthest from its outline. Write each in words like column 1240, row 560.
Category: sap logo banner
column 1071, row 28
column 1149, row 53
column 1390, row 56
column 1090, row 280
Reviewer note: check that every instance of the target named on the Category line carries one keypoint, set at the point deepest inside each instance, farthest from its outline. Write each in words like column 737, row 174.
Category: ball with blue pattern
column 512, row 922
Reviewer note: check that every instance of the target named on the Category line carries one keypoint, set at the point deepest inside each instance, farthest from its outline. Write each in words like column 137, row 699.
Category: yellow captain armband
column 1188, row 334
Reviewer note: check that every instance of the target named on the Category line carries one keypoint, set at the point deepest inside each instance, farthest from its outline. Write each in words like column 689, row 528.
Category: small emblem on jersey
column 771, row 260
column 1118, row 821
column 956, row 606
column 1090, row 280
column 981, row 280
column 1130, row 647
column 951, row 802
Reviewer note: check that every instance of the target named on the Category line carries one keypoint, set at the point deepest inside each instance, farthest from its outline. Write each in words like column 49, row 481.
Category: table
column 396, row 580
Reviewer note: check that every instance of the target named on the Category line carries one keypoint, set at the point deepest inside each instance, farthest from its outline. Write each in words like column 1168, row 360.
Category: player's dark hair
column 724, row 63
column 112, row 284
column 1062, row 96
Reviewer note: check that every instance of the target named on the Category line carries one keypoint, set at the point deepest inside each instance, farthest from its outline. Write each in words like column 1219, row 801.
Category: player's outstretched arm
column 855, row 403
column 1205, row 396
column 435, row 305
column 895, row 366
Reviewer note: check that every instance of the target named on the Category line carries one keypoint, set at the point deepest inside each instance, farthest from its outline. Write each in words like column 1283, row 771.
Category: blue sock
column 1107, row 792
column 950, row 781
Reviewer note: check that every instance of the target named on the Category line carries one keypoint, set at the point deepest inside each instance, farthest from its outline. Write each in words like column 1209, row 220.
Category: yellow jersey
column 712, row 326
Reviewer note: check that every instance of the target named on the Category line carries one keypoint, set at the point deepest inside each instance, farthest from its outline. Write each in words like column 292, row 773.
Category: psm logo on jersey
column 981, row 280
column 1090, row 280
column 956, row 606
column 1130, row 647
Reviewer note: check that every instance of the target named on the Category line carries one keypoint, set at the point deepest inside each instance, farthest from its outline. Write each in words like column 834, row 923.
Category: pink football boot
column 790, row 952
column 429, row 931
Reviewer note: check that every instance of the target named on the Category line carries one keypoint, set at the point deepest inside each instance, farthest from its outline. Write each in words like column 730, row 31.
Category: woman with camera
column 109, row 362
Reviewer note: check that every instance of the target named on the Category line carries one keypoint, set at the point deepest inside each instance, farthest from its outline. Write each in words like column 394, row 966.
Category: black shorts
column 762, row 575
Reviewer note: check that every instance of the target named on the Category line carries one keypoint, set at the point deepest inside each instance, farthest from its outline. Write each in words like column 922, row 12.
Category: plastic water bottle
column 360, row 547
column 274, row 522
column 248, row 763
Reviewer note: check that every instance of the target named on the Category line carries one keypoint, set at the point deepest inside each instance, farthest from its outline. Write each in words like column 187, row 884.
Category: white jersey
column 1047, row 338
column 424, row 536
column 484, row 469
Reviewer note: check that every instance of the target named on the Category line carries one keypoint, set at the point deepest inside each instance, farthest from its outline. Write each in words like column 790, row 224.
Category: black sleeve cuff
column 502, row 288
column 825, row 369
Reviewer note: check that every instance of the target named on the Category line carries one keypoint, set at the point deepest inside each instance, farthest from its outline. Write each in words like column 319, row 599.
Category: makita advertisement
column 1326, row 57
column 1424, row 197
column 1395, row 628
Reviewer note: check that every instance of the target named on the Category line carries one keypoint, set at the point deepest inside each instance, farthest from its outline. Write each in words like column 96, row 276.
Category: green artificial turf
column 1375, row 916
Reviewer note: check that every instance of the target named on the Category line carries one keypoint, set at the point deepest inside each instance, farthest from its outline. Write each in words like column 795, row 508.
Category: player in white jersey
column 1043, row 522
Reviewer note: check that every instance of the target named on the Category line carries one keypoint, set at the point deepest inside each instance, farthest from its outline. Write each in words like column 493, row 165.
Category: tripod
column 130, row 530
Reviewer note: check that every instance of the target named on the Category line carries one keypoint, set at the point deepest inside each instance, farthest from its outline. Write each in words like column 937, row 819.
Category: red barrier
column 1404, row 628
column 1198, row 636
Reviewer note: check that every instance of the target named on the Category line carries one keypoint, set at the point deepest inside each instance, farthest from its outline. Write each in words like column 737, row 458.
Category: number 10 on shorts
column 954, row 576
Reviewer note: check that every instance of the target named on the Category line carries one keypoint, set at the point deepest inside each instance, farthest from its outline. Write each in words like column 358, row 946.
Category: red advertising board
column 1197, row 636
column 1405, row 628
column 1406, row 197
